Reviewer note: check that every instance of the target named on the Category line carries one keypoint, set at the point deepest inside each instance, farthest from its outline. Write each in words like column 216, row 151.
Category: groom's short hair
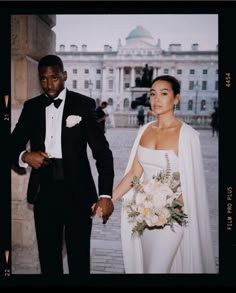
column 51, row 60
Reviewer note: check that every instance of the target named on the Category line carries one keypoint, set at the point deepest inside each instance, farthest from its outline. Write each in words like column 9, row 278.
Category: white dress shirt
column 52, row 141
column 53, row 128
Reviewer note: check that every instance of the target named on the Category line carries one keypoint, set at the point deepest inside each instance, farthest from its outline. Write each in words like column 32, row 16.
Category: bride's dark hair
column 172, row 80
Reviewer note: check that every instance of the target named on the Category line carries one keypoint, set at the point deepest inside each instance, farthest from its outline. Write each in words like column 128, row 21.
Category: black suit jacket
column 74, row 141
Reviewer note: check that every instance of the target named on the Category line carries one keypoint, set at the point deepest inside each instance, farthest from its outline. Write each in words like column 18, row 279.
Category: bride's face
column 162, row 98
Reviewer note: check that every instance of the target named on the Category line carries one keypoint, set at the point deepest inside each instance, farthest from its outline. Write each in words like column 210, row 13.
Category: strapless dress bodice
column 154, row 161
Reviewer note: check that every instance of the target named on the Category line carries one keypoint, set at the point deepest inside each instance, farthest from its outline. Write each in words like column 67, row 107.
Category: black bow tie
column 56, row 102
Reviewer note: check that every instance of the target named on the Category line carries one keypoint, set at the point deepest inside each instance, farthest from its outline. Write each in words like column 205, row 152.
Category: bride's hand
column 98, row 211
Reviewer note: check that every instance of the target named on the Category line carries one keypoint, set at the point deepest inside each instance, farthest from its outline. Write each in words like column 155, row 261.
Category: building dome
column 139, row 32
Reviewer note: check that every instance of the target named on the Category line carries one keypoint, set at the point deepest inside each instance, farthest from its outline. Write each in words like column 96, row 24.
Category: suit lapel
column 68, row 109
column 42, row 124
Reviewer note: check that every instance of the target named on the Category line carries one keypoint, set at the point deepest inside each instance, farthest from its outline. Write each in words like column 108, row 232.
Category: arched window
column 110, row 102
column 190, row 105
column 203, row 105
column 126, row 104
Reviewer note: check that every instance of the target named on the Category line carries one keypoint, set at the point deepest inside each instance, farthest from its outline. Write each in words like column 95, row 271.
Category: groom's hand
column 105, row 206
column 35, row 159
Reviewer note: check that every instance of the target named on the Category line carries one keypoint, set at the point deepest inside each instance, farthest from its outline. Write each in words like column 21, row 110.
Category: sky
column 105, row 29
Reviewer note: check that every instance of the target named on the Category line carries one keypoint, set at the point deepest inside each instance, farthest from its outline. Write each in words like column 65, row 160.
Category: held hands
column 103, row 208
column 36, row 159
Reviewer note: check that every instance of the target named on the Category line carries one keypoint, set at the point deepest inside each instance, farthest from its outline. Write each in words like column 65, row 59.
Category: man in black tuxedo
column 59, row 124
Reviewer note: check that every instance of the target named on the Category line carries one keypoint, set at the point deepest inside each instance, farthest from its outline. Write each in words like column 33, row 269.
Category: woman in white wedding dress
column 187, row 249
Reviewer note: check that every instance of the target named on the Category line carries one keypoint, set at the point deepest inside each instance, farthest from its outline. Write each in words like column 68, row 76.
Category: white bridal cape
column 195, row 252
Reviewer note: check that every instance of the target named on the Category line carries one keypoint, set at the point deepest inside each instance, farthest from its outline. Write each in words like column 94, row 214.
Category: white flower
column 72, row 120
column 152, row 220
column 165, row 213
column 140, row 218
column 161, row 195
column 140, row 198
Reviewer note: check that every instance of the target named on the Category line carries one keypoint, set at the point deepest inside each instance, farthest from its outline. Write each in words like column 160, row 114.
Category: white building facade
column 110, row 75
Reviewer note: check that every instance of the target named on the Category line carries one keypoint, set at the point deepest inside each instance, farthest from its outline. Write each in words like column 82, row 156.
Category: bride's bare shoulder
column 147, row 132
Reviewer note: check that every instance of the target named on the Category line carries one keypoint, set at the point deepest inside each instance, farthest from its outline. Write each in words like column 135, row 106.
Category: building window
column 178, row 107
column 215, row 104
column 166, row 71
column 74, row 70
column 204, row 71
column 203, row 105
column 86, row 84
column 110, row 84
column 126, row 104
column 98, row 84
column 74, row 84
column 86, row 71
column 110, row 102
column 126, row 71
column 111, row 70
column 138, row 71
column 204, row 85
column 190, row 105
column 179, row 71
column 126, row 85
column 216, row 85
column 191, row 85
column 98, row 71
column 191, row 71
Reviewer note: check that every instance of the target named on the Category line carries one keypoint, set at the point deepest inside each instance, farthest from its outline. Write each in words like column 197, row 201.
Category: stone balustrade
column 129, row 119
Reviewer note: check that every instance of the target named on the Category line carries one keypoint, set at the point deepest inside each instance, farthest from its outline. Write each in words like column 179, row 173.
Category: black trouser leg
column 49, row 231
column 77, row 237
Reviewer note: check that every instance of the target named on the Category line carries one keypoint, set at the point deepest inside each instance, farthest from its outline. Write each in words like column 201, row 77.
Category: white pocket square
column 72, row 120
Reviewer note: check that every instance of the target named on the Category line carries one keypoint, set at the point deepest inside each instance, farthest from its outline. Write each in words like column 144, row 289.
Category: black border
column 227, row 51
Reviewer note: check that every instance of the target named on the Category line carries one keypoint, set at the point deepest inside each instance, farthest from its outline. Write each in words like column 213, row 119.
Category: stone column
column 173, row 70
column 117, row 86
column 104, row 80
column 132, row 77
column 121, row 79
column 117, row 79
column 31, row 38
column 154, row 73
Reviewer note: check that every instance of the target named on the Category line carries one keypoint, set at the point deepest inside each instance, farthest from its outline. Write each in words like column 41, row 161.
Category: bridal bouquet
column 155, row 202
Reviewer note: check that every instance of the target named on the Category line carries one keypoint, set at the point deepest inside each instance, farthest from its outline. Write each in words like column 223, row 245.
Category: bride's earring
column 174, row 107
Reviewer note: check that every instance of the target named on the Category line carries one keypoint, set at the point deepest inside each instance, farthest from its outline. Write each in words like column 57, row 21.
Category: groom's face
column 52, row 80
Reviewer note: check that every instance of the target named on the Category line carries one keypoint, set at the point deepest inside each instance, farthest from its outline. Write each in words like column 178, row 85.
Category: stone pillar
column 104, row 85
column 121, row 79
column 132, row 77
column 31, row 38
column 117, row 79
column 154, row 73
column 173, row 70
